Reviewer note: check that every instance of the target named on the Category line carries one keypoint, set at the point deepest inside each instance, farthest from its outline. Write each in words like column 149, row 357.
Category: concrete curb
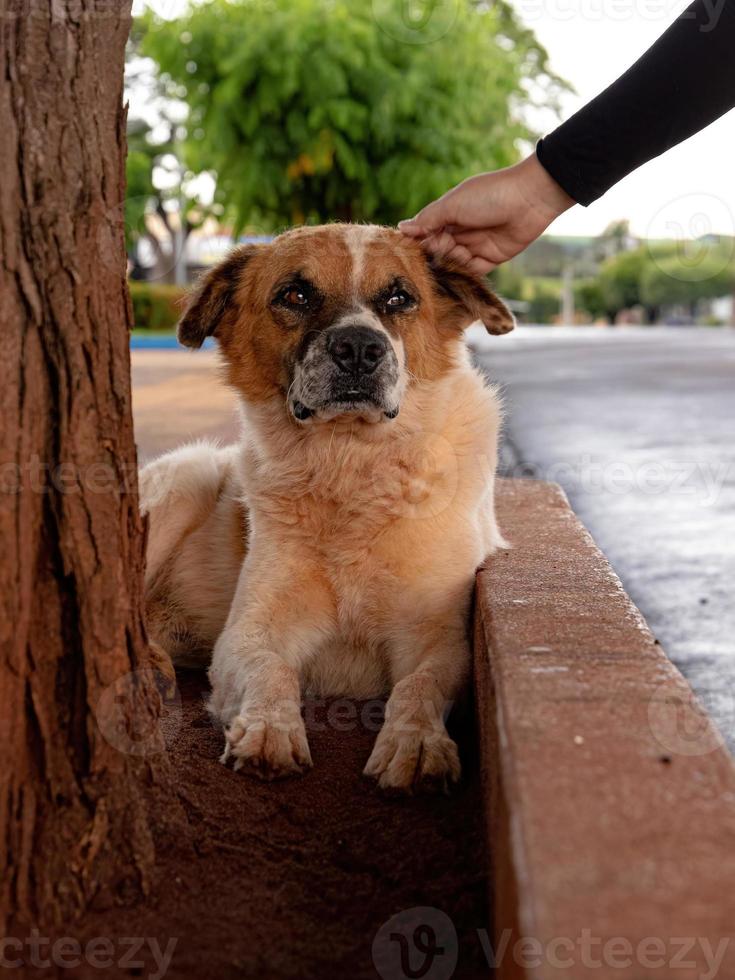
column 610, row 798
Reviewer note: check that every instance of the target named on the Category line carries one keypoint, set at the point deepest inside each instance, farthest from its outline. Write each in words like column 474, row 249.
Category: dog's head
column 339, row 319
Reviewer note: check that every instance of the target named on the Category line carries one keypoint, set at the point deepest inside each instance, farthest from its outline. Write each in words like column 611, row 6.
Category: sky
column 688, row 192
column 685, row 193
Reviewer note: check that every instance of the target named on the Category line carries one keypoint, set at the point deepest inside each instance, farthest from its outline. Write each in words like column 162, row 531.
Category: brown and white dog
column 334, row 549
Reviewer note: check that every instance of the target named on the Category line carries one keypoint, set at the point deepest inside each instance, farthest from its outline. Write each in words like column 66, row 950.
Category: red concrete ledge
column 610, row 798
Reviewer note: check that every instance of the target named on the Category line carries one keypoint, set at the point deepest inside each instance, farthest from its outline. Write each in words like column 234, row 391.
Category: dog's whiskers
column 288, row 393
column 331, row 438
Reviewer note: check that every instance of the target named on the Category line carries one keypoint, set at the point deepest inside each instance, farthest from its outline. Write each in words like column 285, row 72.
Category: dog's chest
column 353, row 659
column 343, row 504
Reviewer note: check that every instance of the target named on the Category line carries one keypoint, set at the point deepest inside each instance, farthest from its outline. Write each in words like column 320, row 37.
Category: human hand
column 489, row 218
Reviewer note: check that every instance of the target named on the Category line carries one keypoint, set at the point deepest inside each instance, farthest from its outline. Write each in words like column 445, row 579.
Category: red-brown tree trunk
column 77, row 706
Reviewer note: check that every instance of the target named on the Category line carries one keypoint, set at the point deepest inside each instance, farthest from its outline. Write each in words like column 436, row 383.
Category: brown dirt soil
column 295, row 878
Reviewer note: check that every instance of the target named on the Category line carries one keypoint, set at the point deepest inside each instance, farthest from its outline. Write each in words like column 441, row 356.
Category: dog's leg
column 275, row 626
column 413, row 750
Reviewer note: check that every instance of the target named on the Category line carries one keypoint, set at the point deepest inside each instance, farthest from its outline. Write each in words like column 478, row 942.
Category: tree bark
column 78, row 709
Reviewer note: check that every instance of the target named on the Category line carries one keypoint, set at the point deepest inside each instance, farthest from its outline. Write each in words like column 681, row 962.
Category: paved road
column 638, row 426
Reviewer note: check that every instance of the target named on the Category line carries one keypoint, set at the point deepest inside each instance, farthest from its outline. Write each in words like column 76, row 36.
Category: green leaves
column 666, row 273
column 319, row 109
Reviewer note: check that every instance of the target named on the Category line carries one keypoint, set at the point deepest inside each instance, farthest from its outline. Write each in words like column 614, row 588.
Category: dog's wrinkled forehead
column 352, row 261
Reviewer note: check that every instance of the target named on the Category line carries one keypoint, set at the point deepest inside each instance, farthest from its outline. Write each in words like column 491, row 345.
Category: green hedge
column 156, row 306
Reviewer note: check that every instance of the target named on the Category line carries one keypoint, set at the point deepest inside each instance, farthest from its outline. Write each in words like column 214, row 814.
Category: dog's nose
column 356, row 350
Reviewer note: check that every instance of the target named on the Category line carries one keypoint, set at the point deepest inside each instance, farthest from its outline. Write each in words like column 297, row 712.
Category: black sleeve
column 682, row 83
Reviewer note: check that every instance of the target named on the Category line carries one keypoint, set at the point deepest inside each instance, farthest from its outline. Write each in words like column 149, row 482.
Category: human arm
column 681, row 84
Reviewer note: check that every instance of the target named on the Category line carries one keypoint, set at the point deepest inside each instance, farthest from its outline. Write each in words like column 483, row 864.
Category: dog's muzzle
column 350, row 369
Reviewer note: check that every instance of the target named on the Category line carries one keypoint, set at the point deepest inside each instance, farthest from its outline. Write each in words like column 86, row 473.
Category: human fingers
column 440, row 244
column 413, row 228
column 489, row 245
column 461, row 255
column 470, row 237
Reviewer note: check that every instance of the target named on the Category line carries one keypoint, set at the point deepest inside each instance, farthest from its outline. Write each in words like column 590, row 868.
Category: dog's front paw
column 422, row 760
column 269, row 744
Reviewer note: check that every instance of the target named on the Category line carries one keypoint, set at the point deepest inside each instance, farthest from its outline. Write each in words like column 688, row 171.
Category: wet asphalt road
column 638, row 426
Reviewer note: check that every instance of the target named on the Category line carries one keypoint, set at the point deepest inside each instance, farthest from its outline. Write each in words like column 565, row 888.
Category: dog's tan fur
column 334, row 556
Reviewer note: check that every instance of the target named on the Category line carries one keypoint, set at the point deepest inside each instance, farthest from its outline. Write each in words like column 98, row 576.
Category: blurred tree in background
column 164, row 201
column 157, row 185
column 657, row 274
column 317, row 109
column 619, row 280
column 143, row 197
column 686, row 273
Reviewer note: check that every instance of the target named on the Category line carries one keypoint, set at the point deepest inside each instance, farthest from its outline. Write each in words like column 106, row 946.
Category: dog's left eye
column 398, row 300
column 295, row 296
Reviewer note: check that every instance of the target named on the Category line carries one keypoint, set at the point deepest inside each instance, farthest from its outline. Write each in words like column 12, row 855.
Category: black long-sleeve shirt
column 682, row 83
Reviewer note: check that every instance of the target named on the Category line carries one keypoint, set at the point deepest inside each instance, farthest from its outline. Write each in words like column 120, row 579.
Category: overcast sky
column 685, row 193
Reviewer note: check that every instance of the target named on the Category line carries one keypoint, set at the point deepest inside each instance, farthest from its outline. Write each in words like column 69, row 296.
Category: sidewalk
column 178, row 397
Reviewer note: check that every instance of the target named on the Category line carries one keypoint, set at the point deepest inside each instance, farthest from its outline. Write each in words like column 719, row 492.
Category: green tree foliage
column 178, row 213
column 139, row 190
column 317, row 109
column 684, row 275
column 620, row 280
column 156, row 306
column 658, row 274
column 589, row 298
column 544, row 303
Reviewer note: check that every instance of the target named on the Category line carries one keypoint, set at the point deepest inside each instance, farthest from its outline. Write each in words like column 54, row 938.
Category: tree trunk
column 78, row 708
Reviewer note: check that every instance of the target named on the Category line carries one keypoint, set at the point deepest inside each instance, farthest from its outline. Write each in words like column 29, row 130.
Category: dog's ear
column 465, row 298
column 211, row 296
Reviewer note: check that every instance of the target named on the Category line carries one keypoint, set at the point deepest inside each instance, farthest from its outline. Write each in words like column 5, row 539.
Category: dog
column 334, row 549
